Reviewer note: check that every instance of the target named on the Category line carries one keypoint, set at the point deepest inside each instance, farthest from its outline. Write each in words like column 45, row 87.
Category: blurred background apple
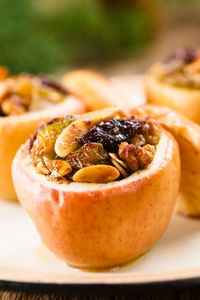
column 113, row 36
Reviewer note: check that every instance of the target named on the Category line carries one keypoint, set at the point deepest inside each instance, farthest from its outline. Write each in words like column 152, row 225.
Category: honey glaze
column 111, row 269
column 43, row 254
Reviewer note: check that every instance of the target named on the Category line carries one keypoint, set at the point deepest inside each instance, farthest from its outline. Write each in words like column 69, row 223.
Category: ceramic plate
column 176, row 256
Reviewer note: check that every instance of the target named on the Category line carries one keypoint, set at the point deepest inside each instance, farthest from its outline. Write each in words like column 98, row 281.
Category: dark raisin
column 181, row 57
column 54, row 85
column 111, row 133
column 188, row 55
column 145, row 127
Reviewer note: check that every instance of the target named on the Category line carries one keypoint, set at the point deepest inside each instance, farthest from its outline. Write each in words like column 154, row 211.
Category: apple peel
column 14, row 130
column 187, row 133
column 92, row 225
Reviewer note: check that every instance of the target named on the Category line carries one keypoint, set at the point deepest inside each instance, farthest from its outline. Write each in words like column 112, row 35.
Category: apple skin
column 101, row 225
column 187, row 134
column 14, row 131
column 182, row 99
column 96, row 91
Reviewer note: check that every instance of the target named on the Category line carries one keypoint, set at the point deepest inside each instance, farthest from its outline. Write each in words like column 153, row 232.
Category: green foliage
column 83, row 31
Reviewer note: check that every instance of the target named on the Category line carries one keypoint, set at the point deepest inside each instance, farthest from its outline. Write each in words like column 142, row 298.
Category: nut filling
column 182, row 69
column 25, row 92
column 99, row 147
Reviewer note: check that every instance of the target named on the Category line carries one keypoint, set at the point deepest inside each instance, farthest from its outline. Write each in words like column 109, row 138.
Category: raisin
column 177, row 61
column 49, row 82
column 43, row 141
column 87, row 155
column 112, row 132
column 34, row 135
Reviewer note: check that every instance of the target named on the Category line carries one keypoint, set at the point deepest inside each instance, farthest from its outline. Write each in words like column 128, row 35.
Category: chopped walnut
column 135, row 156
column 154, row 133
column 127, row 153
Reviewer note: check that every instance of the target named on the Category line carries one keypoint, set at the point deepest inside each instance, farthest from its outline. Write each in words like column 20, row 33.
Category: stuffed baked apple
column 101, row 188
column 187, row 133
column 25, row 101
column 176, row 83
column 97, row 91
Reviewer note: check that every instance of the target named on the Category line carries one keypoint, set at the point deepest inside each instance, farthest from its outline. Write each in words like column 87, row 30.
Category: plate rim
column 97, row 289
column 98, row 278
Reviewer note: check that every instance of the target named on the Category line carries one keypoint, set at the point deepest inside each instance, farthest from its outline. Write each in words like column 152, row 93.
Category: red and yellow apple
column 93, row 225
column 14, row 130
column 187, row 133
column 185, row 100
column 95, row 90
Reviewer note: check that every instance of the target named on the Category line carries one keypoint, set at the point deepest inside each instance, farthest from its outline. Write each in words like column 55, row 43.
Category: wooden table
column 171, row 291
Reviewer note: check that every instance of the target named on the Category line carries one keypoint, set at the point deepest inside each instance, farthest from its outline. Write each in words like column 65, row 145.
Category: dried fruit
column 96, row 174
column 38, row 93
column 68, row 140
column 56, row 167
column 87, row 155
column 91, row 162
column 14, row 105
column 181, row 56
column 46, row 137
column 49, row 82
column 112, row 132
column 25, row 89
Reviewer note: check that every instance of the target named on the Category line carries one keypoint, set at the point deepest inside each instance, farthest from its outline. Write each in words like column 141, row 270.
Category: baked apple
column 187, row 133
column 95, row 90
column 176, row 83
column 25, row 101
column 100, row 189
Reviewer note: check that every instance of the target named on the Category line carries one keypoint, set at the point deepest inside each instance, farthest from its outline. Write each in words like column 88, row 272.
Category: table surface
column 166, row 294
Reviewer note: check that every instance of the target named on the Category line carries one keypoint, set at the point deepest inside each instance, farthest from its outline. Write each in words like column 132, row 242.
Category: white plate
column 23, row 258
